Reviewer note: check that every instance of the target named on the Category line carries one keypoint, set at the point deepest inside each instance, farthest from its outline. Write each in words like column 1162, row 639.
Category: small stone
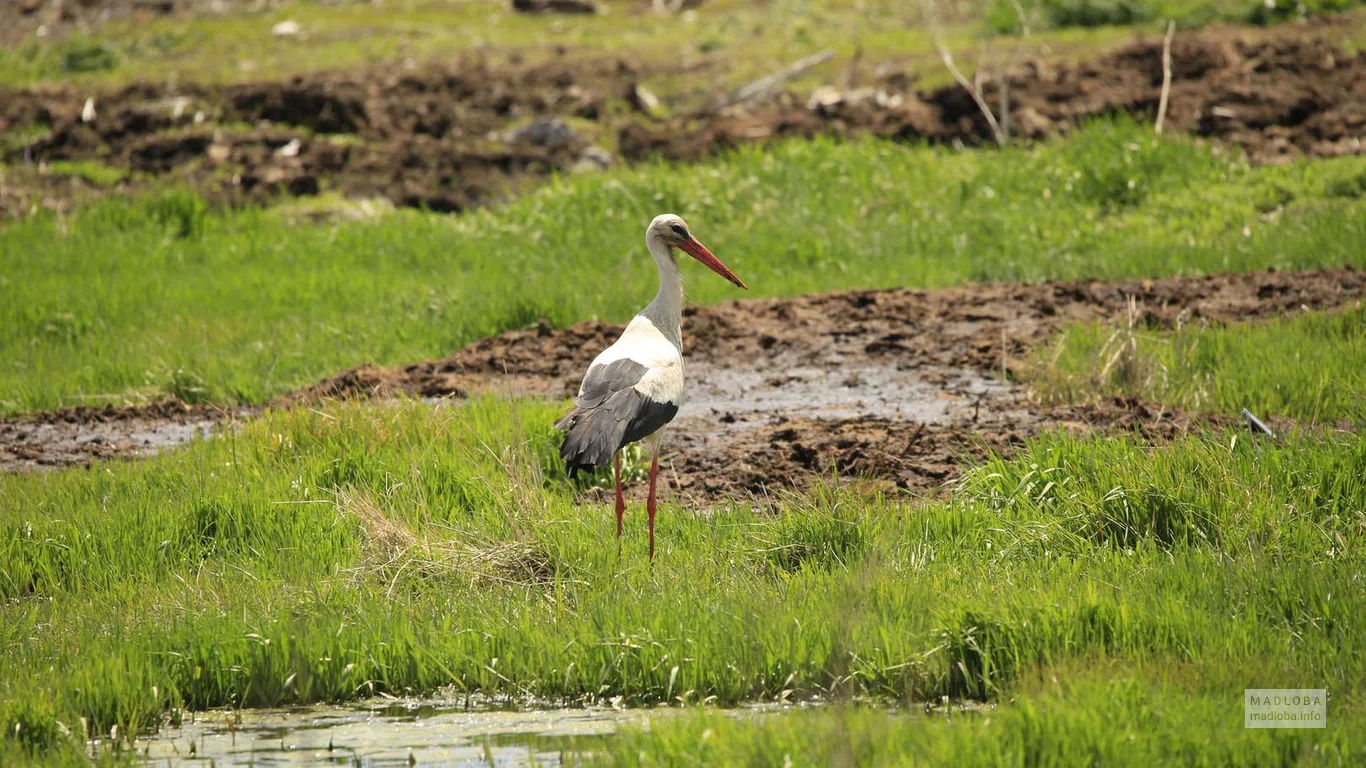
column 824, row 97
column 291, row 149
column 888, row 100
column 1030, row 123
column 548, row 132
column 644, row 100
column 594, row 159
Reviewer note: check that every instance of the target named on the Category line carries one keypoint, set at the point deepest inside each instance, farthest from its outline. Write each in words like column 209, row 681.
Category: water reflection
column 419, row 734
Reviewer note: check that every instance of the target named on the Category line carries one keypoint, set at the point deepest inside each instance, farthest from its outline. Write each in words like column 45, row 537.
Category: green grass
column 137, row 299
column 328, row 555
column 1056, row 14
column 91, row 171
column 1311, row 368
column 19, row 137
column 1098, row 600
column 1131, row 715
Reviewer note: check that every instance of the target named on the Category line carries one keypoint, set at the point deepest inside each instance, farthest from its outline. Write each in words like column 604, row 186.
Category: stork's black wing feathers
column 608, row 414
column 602, row 381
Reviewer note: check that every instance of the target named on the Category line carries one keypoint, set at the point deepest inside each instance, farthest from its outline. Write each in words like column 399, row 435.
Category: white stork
column 634, row 387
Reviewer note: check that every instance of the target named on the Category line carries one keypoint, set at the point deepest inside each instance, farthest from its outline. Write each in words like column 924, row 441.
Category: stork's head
column 674, row 232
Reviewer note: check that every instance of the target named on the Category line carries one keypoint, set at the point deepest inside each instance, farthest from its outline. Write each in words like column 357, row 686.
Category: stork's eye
column 679, row 230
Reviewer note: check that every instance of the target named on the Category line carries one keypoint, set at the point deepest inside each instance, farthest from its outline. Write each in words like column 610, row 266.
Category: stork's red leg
column 621, row 500
column 650, row 503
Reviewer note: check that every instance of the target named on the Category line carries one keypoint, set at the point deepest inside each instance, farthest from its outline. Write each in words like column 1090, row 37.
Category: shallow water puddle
column 387, row 735
column 841, row 389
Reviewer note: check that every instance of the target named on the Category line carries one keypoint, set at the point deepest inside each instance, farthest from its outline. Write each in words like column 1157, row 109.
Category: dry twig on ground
column 1000, row 128
column 971, row 87
column 767, row 83
column 1166, row 77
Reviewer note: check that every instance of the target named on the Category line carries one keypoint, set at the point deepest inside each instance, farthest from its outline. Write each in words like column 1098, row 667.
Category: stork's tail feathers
column 588, row 442
column 594, row 434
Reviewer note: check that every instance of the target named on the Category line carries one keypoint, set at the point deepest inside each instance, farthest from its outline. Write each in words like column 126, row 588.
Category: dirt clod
column 554, row 6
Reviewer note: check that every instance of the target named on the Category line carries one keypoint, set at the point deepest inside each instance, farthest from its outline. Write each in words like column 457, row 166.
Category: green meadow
column 1098, row 601
column 1080, row 595
column 136, row 300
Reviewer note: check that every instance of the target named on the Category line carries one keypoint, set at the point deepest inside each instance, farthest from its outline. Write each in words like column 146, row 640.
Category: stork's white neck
column 666, row 311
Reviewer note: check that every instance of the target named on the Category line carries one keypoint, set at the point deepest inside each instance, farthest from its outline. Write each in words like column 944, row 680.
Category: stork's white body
column 642, row 342
column 654, row 338
column 633, row 389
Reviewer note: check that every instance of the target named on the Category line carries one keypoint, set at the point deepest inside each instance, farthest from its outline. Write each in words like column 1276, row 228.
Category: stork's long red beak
column 699, row 251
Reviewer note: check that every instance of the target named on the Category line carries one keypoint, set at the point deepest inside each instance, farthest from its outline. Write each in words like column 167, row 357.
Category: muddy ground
column 899, row 388
column 79, row 436
column 452, row 136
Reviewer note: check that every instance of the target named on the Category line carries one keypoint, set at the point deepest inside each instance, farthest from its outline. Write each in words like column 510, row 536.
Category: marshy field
column 1036, row 441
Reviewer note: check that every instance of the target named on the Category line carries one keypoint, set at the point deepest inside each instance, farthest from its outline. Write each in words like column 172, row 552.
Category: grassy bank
column 1310, row 368
column 132, row 300
column 1123, row 719
column 1002, row 17
column 1101, row 714
column 329, row 555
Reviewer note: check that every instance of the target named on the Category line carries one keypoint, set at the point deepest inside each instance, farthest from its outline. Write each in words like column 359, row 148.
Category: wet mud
column 451, row 136
column 83, row 435
column 898, row 389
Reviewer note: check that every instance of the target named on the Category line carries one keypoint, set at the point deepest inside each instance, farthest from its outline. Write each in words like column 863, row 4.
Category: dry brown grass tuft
column 394, row 554
column 1124, row 359
column 512, row 563
column 385, row 539
column 1125, row 366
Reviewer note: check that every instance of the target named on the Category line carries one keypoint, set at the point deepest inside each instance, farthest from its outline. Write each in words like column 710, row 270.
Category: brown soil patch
column 898, row 387
column 1287, row 94
column 447, row 137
